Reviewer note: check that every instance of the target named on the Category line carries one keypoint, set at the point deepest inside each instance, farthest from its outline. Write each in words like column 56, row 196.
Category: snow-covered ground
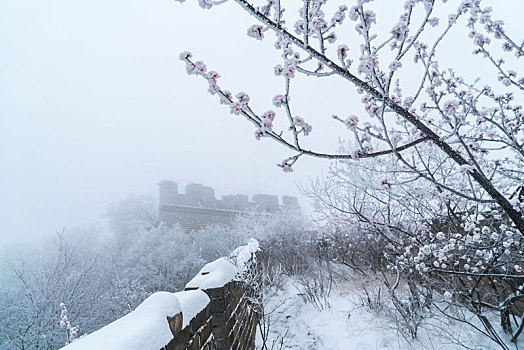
column 347, row 325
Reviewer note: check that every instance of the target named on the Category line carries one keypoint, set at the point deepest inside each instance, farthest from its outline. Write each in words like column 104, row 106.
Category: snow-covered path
column 339, row 327
column 346, row 325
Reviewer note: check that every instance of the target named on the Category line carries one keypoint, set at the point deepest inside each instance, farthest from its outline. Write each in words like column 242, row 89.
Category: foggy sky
column 95, row 104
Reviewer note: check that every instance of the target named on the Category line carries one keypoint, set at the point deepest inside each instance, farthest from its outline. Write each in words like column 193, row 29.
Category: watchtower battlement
column 198, row 206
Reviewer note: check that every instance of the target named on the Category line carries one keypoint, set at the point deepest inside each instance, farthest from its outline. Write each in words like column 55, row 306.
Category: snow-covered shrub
column 293, row 247
column 285, row 238
column 315, row 285
column 425, row 242
column 35, row 281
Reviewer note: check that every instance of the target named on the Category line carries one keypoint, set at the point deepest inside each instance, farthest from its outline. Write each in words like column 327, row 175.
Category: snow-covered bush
column 34, row 283
column 286, row 239
column 292, row 246
column 425, row 242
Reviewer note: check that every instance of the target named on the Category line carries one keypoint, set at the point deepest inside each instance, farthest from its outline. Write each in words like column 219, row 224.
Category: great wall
column 216, row 311
column 198, row 206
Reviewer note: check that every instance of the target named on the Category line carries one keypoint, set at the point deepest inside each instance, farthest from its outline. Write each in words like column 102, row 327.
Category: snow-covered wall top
column 219, row 272
column 146, row 327
column 157, row 321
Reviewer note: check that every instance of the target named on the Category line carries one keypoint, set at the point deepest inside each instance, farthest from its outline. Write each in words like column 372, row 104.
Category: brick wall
column 233, row 320
column 194, row 218
column 195, row 336
column 198, row 207
column 228, row 322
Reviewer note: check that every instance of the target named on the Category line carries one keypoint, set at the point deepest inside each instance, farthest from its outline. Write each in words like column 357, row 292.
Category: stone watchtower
column 198, row 206
column 167, row 193
column 290, row 203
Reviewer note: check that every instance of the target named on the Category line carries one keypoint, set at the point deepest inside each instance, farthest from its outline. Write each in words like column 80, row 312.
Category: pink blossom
column 485, row 18
column 213, row 76
column 331, row 38
column 289, row 71
column 400, row 31
column 286, row 167
column 243, row 98
column 480, row 39
column 299, row 27
column 395, row 65
column 267, row 124
column 351, row 122
column 200, row 67
column 280, row 43
column 385, row 185
column 408, row 101
column 409, row 4
column 433, row 21
column 190, row 68
column 367, row 62
column 185, row 55
column 73, row 333
column 279, row 100
column 307, row 129
column 266, row 9
column 339, row 16
column 506, row 82
column 366, row 147
column 236, row 108
column 298, row 121
column 359, row 28
column 256, row 31
column 205, row 4
column 226, row 98
column 396, row 137
column 342, row 51
column 319, row 24
column 450, row 106
column 369, row 17
column 213, row 88
column 259, row 133
column 64, row 323
column 507, row 47
column 372, row 109
column 354, row 13
column 269, row 115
